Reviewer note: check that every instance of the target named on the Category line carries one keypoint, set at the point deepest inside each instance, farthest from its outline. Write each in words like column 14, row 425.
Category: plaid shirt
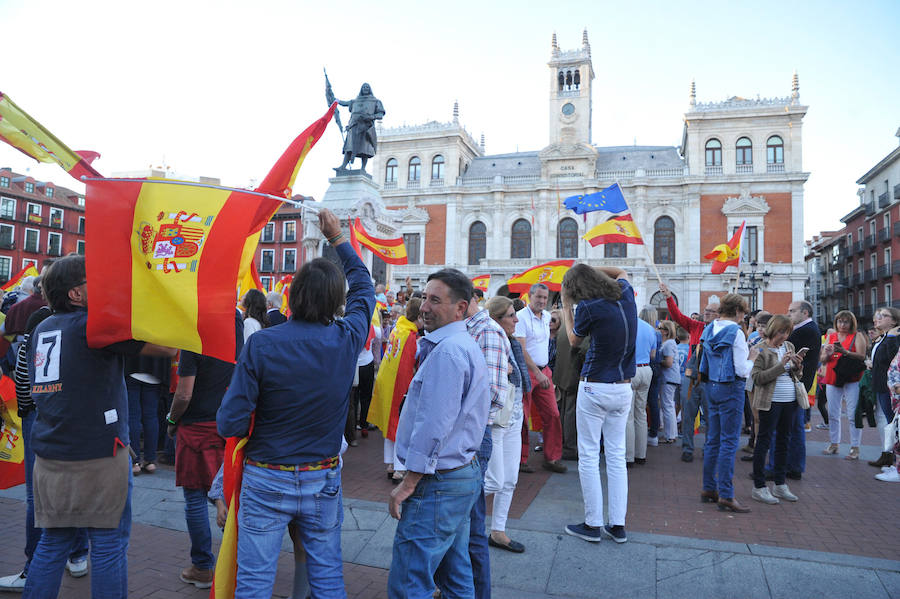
column 495, row 347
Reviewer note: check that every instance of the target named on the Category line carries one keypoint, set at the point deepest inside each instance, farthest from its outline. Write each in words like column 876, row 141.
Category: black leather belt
column 454, row 469
column 588, row 379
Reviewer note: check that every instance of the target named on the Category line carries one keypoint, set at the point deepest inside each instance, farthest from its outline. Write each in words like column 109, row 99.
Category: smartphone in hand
column 802, row 351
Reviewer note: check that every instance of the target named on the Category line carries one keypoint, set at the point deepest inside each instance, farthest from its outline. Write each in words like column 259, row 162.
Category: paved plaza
column 841, row 540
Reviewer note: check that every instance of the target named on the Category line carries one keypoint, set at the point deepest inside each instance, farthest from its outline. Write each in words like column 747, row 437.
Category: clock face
column 568, row 108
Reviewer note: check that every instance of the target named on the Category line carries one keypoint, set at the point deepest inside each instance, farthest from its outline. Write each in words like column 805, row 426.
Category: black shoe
column 687, row 457
column 616, row 533
column 640, row 461
column 538, row 448
column 746, row 458
column 794, row 475
column 513, row 546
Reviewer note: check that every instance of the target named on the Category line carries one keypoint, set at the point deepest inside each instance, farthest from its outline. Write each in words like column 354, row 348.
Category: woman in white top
column 774, row 398
column 255, row 318
column 670, row 379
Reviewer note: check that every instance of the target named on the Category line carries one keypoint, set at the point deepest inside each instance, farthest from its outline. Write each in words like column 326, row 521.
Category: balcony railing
column 870, row 275
column 841, row 281
column 31, row 247
column 413, row 184
column 884, row 271
column 775, row 168
column 897, row 191
column 7, row 244
column 884, row 200
column 857, row 247
column 390, row 185
column 437, row 182
column 713, row 170
column 743, row 168
column 867, row 310
column 884, row 235
column 870, row 208
column 897, row 229
column 857, row 279
column 870, row 241
column 56, row 223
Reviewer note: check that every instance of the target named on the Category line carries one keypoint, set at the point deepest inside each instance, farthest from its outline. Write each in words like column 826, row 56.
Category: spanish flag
column 727, row 254
column 482, row 282
column 12, row 441
column 398, row 365
column 250, row 281
column 225, row 577
column 283, row 286
column 619, row 229
column 391, row 251
column 550, row 274
column 16, row 280
column 28, row 136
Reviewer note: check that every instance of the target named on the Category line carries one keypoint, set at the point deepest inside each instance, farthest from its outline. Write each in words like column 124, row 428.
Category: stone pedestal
column 348, row 194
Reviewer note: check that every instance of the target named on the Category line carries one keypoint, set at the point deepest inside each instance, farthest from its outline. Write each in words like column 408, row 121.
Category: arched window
column 576, row 79
column 744, row 155
column 437, row 168
column 390, row 171
column 477, row 242
column 415, row 168
column 775, row 150
column 568, row 79
column 567, row 239
column 520, row 246
column 561, row 78
column 714, row 153
column 664, row 241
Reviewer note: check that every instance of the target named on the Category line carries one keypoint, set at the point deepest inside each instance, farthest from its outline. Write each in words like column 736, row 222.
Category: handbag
column 891, row 433
column 847, row 369
column 802, row 397
column 503, row 415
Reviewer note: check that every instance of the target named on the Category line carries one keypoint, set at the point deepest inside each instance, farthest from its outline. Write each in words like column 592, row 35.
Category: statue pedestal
column 348, row 194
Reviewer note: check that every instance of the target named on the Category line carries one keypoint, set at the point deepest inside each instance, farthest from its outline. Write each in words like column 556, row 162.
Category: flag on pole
column 177, row 251
column 28, row 136
column 727, row 254
column 550, row 274
column 250, row 281
column 12, row 441
column 482, row 282
column 16, row 280
column 619, row 229
column 610, row 200
column 283, row 286
column 391, row 251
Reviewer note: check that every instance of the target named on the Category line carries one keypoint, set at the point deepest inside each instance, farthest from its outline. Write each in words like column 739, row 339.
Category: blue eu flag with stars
column 609, row 199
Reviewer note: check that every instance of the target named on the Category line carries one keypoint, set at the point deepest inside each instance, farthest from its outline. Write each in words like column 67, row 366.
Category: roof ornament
column 554, row 46
column 693, row 100
column 456, row 112
column 795, row 88
column 584, row 41
column 482, row 142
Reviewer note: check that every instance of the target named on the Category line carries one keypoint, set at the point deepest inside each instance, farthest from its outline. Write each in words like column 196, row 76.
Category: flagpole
column 646, row 249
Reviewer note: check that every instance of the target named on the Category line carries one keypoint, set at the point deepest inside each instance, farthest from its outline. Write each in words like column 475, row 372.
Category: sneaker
column 202, row 579
column 583, row 531
column 16, row 582
column 77, row 569
column 887, row 468
column 783, row 492
column 652, row 442
column 891, row 476
column 822, row 426
column 763, row 495
column 616, row 533
column 687, row 457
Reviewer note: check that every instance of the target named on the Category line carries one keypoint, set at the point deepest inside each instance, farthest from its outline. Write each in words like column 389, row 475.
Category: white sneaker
column 891, row 476
column 783, row 492
column 77, row 569
column 16, row 582
column 763, row 495
column 652, row 441
column 887, row 468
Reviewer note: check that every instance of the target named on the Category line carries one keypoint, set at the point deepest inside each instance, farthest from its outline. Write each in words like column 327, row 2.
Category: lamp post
column 750, row 282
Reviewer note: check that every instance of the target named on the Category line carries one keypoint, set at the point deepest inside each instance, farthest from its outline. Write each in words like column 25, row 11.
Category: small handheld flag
column 391, row 251
column 481, row 282
column 550, row 274
column 727, row 254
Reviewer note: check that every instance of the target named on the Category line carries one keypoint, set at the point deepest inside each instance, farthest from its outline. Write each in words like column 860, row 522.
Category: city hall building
column 739, row 160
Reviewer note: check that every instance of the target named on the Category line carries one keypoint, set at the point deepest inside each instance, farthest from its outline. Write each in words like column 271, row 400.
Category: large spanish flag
column 727, row 254
column 28, row 136
column 167, row 256
column 391, row 251
column 16, row 280
column 394, row 375
column 12, row 441
column 550, row 274
column 619, row 229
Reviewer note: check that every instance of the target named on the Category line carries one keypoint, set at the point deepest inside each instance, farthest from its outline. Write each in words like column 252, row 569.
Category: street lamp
column 750, row 282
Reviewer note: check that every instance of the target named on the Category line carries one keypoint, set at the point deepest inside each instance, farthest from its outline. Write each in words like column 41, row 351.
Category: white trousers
column 850, row 394
column 503, row 467
column 390, row 456
column 602, row 412
column 670, row 424
column 636, row 429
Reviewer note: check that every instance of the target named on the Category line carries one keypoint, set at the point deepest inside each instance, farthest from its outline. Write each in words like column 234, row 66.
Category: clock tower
column 571, row 77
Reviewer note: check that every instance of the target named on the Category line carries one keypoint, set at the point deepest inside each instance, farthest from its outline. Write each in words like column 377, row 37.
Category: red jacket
column 693, row 327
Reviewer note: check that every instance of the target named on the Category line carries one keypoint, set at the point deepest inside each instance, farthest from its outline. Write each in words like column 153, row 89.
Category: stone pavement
column 842, row 539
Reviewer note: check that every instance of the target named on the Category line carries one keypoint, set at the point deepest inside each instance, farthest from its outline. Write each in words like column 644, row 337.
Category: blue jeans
column 143, row 407
column 796, row 445
column 479, row 554
column 197, row 518
column 726, row 411
column 33, row 535
column 689, row 408
column 779, row 418
column 270, row 500
column 884, row 402
column 109, row 558
column 434, row 527
column 653, row 401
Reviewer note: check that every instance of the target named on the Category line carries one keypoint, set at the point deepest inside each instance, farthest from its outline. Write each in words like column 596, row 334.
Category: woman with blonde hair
column 844, row 355
column 670, row 380
column 774, row 398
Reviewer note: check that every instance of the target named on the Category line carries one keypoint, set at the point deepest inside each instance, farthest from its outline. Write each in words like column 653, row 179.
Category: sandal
column 135, row 469
column 831, row 449
column 149, row 468
column 853, row 455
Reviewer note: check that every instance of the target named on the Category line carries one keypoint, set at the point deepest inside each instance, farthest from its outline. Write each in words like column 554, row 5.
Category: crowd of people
column 458, row 387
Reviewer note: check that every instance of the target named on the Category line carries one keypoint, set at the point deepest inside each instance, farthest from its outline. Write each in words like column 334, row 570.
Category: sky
column 220, row 88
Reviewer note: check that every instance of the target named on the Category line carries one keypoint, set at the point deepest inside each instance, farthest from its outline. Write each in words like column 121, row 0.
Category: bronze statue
column 360, row 140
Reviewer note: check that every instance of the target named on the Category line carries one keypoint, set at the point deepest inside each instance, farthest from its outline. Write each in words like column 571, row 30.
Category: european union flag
column 609, row 199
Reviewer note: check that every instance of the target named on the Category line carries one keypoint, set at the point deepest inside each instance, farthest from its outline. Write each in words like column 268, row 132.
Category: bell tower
column 571, row 78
